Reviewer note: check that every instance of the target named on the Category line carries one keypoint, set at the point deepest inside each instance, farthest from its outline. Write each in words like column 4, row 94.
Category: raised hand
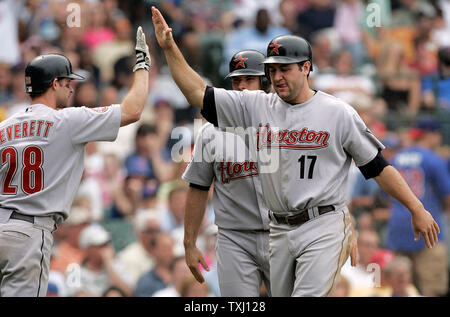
column 143, row 60
column 162, row 31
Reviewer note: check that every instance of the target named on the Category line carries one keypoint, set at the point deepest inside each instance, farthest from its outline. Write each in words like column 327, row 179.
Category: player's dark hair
column 300, row 65
column 145, row 129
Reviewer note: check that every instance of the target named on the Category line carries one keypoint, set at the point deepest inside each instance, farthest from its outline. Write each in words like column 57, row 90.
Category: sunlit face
column 249, row 82
column 288, row 79
column 63, row 91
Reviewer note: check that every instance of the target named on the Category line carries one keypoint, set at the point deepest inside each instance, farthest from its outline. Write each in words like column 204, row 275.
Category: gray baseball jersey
column 240, row 213
column 223, row 158
column 313, row 142
column 42, row 155
column 304, row 153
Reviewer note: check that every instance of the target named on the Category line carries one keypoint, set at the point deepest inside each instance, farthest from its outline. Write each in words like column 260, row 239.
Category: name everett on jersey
column 25, row 129
column 290, row 139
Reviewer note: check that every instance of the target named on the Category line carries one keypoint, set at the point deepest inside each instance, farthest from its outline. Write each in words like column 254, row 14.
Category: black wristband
column 374, row 167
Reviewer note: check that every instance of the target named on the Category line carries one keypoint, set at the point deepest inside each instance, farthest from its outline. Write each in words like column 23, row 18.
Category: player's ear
column 54, row 83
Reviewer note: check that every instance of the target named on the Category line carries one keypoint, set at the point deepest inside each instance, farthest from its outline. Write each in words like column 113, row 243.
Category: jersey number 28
column 32, row 175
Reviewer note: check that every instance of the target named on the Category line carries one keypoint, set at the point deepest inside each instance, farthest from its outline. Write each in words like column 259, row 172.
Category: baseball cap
column 423, row 125
column 94, row 235
column 391, row 141
column 78, row 215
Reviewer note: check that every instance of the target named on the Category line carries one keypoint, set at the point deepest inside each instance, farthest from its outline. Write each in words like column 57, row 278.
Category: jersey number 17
column 31, row 173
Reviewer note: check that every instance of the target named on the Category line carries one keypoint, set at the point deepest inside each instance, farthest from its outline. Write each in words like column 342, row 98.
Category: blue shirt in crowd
column 427, row 175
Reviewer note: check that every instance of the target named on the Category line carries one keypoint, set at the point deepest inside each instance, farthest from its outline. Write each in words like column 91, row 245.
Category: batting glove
column 143, row 59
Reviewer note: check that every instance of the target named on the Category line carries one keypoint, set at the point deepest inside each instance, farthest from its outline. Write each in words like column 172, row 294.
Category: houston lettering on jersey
column 25, row 129
column 234, row 170
column 290, row 139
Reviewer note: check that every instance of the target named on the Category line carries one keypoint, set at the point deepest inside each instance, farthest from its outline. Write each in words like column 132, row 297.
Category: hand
column 143, row 60
column 193, row 258
column 162, row 31
column 424, row 224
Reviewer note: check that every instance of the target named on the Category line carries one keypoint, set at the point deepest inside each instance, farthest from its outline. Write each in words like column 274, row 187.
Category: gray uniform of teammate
column 304, row 144
column 313, row 153
column 42, row 161
column 243, row 239
column 223, row 158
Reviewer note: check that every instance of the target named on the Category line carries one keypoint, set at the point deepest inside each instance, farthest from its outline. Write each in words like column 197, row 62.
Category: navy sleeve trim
column 200, row 187
column 374, row 167
column 209, row 106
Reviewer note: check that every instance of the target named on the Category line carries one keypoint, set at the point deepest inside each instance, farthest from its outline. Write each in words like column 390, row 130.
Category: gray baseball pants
column 242, row 262
column 24, row 255
column 305, row 260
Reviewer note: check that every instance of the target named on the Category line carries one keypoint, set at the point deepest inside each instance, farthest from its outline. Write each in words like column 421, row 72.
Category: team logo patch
column 27, row 80
column 100, row 109
column 275, row 46
column 240, row 62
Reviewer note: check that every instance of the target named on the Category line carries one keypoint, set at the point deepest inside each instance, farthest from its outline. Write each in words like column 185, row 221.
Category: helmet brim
column 284, row 60
column 245, row 72
column 75, row 77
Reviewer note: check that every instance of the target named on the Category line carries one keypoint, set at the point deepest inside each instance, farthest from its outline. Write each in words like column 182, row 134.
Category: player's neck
column 45, row 100
column 305, row 94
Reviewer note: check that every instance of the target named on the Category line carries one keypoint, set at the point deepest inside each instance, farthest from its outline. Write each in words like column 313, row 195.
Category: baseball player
column 42, row 160
column 221, row 157
column 314, row 137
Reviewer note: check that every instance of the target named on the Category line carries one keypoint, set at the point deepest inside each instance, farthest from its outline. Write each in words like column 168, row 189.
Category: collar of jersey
column 300, row 104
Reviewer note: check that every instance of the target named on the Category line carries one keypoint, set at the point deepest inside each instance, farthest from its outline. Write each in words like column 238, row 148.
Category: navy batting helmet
column 288, row 49
column 43, row 69
column 248, row 62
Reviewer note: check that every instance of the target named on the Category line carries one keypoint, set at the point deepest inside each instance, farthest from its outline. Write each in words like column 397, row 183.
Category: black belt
column 16, row 215
column 301, row 217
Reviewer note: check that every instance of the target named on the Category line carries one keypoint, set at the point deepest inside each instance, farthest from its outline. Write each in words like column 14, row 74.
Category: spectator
column 399, row 83
column 138, row 257
column 251, row 37
column 399, row 275
column 436, row 88
column 347, row 22
column 99, row 270
column 150, row 155
column 161, row 275
column 68, row 250
column 173, row 217
column 361, row 277
column 344, row 82
column 319, row 15
column 426, row 174
column 180, row 272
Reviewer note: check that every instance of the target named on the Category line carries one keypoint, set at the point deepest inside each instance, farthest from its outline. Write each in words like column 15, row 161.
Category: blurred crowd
column 389, row 59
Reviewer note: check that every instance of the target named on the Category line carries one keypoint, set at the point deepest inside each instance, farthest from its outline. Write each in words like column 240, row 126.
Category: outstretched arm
column 423, row 223
column 190, row 83
column 134, row 102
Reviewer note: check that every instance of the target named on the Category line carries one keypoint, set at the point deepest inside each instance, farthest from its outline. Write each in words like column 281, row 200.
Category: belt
column 301, row 217
column 16, row 215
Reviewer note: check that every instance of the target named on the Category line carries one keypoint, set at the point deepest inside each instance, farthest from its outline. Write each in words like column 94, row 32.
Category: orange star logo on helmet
column 240, row 62
column 275, row 47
